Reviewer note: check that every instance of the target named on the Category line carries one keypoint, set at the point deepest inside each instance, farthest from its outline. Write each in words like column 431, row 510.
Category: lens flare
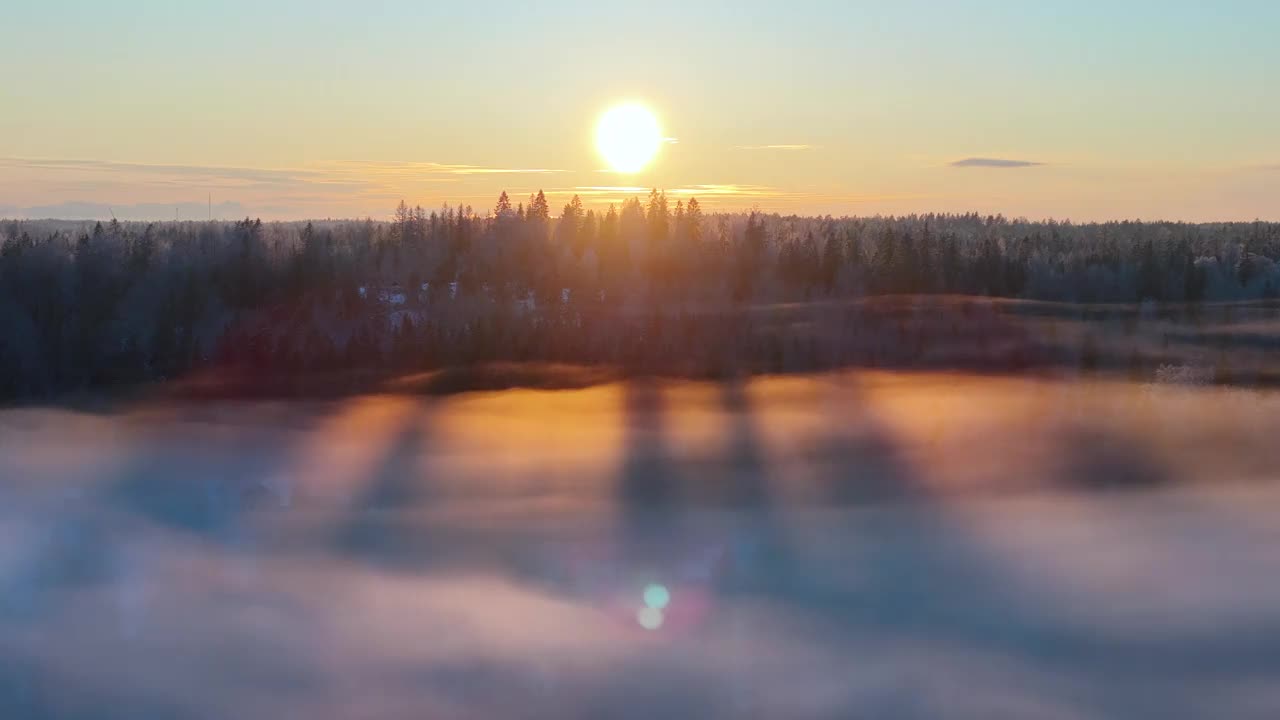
column 657, row 596
column 649, row 618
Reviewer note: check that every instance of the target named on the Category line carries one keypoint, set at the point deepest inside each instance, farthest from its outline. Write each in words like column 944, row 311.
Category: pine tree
column 503, row 208
column 832, row 259
column 589, row 230
column 657, row 218
column 568, row 230
column 538, row 208
column 693, row 221
column 614, row 253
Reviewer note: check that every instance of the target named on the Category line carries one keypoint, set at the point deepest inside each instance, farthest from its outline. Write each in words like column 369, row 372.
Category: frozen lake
column 856, row 545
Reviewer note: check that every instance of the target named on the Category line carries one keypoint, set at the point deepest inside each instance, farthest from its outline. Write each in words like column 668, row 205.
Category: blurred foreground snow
column 878, row 545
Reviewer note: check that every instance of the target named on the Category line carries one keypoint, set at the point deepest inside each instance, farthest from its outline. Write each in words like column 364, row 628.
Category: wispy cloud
column 191, row 172
column 354, row 188
column 341, row 186
column 986, row 162
column 799, row 146
column 79, row 210
column 607, row 190
column 724, row 190
column 326, row 173
column 440, row 168
column 728, row 190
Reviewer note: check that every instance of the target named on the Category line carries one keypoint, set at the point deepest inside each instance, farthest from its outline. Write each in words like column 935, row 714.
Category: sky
column 1082, row 110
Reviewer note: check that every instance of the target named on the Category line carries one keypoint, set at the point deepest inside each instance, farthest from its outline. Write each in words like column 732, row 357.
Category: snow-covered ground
column 856, row 545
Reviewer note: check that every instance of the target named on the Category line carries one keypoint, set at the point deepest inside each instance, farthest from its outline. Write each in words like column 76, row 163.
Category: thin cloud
column 607, row 189
column 728, row 190
column 724, row 190
column 985, row 162
column 441, row 168
column 81, row 210
column 334, row 173
column 799, row 146
column 202, row 172
column 341, row 187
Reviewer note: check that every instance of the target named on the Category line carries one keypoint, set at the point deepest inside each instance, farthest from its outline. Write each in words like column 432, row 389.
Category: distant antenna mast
column 112, row 212
column 210, row 206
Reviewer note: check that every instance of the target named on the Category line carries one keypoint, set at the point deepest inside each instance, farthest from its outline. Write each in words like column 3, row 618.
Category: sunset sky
column 1084, row 110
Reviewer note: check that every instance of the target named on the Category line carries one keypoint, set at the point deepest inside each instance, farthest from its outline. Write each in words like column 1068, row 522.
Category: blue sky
column 1126, row 109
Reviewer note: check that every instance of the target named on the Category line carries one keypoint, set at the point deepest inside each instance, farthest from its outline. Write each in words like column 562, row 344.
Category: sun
column 628, row 137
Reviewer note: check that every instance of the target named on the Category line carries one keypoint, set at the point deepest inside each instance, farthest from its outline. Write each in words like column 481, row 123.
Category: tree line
column 650, row 285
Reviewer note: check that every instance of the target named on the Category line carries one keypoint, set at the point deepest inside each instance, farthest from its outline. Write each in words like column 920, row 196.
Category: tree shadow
column 903, row 566
column 760, row 553
column 859, row 460
column 159, row 487
column 746, row 485
column 650, row 486
column 380, row 527
column 206, row 501
column 1097, row 459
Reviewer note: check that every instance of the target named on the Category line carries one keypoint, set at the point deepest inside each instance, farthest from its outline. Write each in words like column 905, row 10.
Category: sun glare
column 628, row 137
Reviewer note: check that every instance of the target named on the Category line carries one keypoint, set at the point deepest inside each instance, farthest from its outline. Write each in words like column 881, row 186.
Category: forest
column 650, row 287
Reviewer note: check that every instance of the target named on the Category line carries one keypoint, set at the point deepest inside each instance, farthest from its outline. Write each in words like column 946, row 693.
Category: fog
column 891, row 545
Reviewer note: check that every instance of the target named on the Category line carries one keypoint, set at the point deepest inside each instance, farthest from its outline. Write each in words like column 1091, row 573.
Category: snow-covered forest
column 652, row 285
